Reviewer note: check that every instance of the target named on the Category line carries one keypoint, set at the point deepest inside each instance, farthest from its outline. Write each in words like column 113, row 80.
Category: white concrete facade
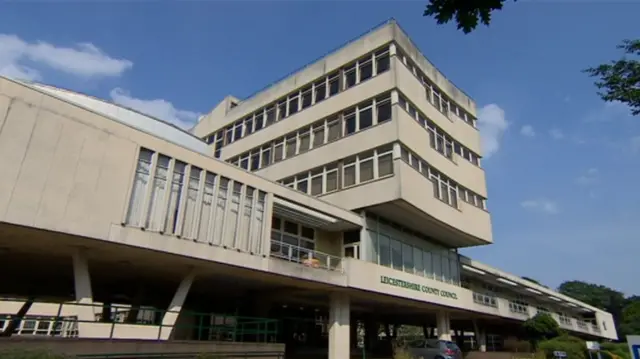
column 364, row 193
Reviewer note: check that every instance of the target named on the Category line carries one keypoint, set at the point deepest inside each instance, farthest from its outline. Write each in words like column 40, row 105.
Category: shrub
column 517, row 346
column 618, row 349
column 574, row 347
column 401, row 353
column 541, row 327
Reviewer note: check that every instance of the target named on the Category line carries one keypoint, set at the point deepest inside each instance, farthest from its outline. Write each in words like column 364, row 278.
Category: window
column 302, row 184
column 307, row 138
column 396, row 254
column 266, row 157
column 248, row 125
column 293, row 104
column 383, row 109
column 318, row 135
column 282, row 110
column 518, row 306
column 193, row 186
column 407, row 258
column 291, row 146
column 334, row 130
column 305, row 141
column 382, row 61
column 316, row 183
column 350, row 77
column 385, row 164
column 158, row 192
column 385, row 250
column 411, row 252
column 259, row 121
column 255, row 161
column 349, row 173
column 237, row 132
column 270, row 116
column 307, row 97
column 320, row 91
column 366, row 69
column 444, row 189
column 366, row 118
column 334, row 84
column 138, row 191
column 349, row 123
column 484, row 299
column 332, row 179
column 278, row 151
column 366, row 170
column 175, row 195
column 291, row 240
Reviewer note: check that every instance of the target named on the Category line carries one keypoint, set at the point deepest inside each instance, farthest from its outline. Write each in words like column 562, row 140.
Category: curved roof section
column 128, row 117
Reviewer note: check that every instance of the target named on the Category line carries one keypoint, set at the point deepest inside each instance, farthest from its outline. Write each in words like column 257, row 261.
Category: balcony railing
column 308, row 257
column 55, row 319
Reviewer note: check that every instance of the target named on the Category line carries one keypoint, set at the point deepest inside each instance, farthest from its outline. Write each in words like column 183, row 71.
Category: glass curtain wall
column 394, row 246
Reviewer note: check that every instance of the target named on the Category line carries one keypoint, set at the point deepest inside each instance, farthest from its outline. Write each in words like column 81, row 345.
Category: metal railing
column 61, row 320
column 307, row 257
column 186, row 355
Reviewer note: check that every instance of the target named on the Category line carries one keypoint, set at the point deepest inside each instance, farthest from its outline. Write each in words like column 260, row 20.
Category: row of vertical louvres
column 172, row 197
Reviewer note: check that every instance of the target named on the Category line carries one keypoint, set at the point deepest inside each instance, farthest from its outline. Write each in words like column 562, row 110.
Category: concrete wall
column 355, row 49
column 68, row 169
column 369, row 277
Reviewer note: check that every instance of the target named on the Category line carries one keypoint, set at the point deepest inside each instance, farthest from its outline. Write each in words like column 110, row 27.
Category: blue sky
column 565, row 167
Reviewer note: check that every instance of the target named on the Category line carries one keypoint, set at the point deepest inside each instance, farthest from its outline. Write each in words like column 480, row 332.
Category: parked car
column 434, row 349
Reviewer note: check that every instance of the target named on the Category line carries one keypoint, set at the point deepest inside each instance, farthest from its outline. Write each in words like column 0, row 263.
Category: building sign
column 634, row 346
column 417, row 287
column 595, row 346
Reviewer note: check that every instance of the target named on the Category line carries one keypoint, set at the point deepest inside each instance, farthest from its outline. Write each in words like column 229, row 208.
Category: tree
column 596, row 295
column 531, row 280
column 619, row 80
column 467, row 13
column 541, row 327
column 630, row 321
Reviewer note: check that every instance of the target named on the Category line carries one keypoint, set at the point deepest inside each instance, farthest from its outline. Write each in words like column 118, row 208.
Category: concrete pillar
column 82, row 284
column 444, row 325
column 171, row 316
column 481, row 336
column 339, row 331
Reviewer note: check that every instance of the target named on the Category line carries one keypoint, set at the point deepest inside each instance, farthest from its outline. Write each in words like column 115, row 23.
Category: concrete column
column 171, row 317
column 444, row 325
column 481, row 336
column 82, row 284
column 339, row 331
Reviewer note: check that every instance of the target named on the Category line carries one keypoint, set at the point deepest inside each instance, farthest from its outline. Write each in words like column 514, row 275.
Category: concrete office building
column 305, row 215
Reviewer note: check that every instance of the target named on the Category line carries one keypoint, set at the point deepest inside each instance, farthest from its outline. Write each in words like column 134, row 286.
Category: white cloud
column 25, row 61
column 610, row 111
column 158, row 108
column 556, row 134
column 527, row 131
column 540, row 205
column 492, row 125
column 590, row 177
